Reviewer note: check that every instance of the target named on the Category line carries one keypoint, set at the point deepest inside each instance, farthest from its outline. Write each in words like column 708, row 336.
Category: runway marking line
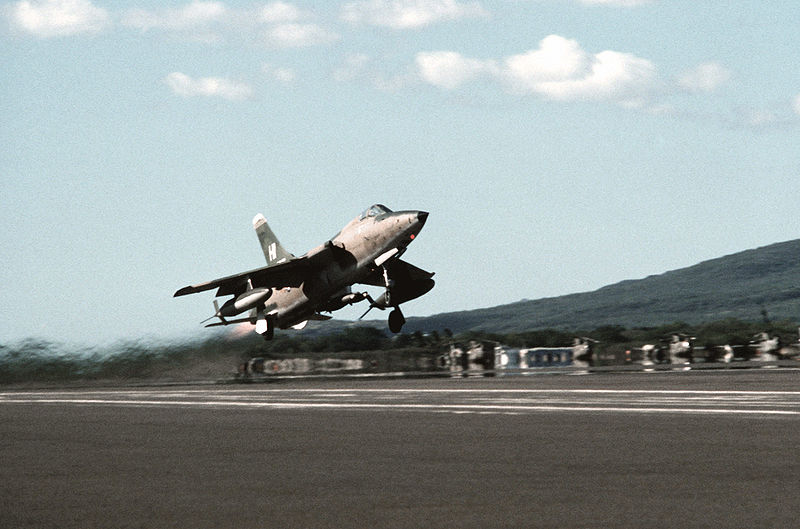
column 489, row 408
column 334, row 392
column 465, row 400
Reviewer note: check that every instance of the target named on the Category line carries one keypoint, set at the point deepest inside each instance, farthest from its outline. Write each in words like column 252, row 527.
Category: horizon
column 559, row 146
column 237, row 331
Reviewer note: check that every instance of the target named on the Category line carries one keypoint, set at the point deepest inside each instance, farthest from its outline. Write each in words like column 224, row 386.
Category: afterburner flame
column 240, row 330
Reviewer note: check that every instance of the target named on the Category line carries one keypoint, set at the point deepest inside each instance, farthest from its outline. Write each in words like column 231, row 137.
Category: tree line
column 35, row 360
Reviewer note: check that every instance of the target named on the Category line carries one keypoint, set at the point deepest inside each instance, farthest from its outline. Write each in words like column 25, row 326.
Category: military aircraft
column 291, row 290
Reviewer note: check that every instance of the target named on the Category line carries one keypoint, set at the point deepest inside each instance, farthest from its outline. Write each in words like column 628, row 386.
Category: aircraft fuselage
column 360, row 248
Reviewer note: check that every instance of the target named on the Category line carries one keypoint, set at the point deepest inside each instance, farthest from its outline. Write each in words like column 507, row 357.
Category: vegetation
column 216, row 358
column 743, row 286
column 40, row 361
column 722, row 301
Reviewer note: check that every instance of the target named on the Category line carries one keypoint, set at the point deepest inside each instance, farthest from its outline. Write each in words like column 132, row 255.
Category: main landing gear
column 396, row 320
column 265, row 325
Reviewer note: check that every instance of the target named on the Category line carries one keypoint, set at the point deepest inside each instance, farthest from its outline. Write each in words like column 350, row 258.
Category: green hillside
column 742, row 285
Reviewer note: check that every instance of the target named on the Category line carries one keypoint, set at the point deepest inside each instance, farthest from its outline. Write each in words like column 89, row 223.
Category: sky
column 559, row 145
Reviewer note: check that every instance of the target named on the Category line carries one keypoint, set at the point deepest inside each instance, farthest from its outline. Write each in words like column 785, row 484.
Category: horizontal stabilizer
column 229, row 322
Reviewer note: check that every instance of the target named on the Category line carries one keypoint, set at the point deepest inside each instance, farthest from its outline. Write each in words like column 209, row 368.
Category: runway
column 676, row 449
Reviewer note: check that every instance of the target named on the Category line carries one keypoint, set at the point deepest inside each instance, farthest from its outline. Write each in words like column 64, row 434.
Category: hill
column 741, row 285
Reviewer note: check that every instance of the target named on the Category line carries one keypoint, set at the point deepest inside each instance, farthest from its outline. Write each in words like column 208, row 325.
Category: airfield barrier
column 507, row 363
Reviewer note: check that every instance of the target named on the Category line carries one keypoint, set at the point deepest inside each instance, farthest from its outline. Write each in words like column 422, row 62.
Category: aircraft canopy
column 374, row 211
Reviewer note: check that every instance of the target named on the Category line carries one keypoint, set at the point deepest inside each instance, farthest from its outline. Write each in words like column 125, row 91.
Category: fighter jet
column 290, row 290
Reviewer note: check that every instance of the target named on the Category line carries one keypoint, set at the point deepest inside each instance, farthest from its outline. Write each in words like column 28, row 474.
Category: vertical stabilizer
column 273, row 251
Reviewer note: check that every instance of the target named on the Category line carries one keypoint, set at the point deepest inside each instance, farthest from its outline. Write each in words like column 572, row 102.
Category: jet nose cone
column 422, row 216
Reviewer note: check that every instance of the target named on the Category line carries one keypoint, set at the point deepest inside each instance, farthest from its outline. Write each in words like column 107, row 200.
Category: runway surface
column 679, row 449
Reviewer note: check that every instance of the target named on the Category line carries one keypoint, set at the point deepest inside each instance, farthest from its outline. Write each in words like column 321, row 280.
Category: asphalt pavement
column 675, row 449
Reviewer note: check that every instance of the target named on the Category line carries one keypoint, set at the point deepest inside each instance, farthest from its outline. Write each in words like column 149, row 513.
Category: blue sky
column 560, row 145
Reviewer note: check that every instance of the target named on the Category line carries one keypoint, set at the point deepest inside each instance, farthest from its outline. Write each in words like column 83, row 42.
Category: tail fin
column 273, row 251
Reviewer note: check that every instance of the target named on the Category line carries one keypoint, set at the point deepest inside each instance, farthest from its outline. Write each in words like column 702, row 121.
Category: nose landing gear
column 396, row 318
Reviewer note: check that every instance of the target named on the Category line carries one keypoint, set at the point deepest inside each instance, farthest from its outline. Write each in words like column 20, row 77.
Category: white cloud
column 796, row 104
column 293, row 35
column 288, row 27
column 705, row 77
column 408, row 14
column 189, row 17
column 559, row 69
column 362, row 68
column 280, row 24
column 57, row 18
column 556, row 60
column 183, row 85
column 615, row 76
column 448, row 69
column 278, row 12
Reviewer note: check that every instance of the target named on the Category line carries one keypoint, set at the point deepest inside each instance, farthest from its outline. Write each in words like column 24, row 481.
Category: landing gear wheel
column 265, row 326
column 396, row 321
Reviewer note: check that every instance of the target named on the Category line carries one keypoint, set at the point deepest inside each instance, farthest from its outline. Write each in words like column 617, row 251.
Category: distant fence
column 500, row 362
column 507, row 359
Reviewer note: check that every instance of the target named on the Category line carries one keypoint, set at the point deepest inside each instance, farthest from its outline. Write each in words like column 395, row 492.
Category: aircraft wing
column 399, row 270
column 289, row 274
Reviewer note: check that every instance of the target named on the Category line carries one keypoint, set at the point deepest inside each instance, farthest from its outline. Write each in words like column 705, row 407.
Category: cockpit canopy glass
column 374, row 211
